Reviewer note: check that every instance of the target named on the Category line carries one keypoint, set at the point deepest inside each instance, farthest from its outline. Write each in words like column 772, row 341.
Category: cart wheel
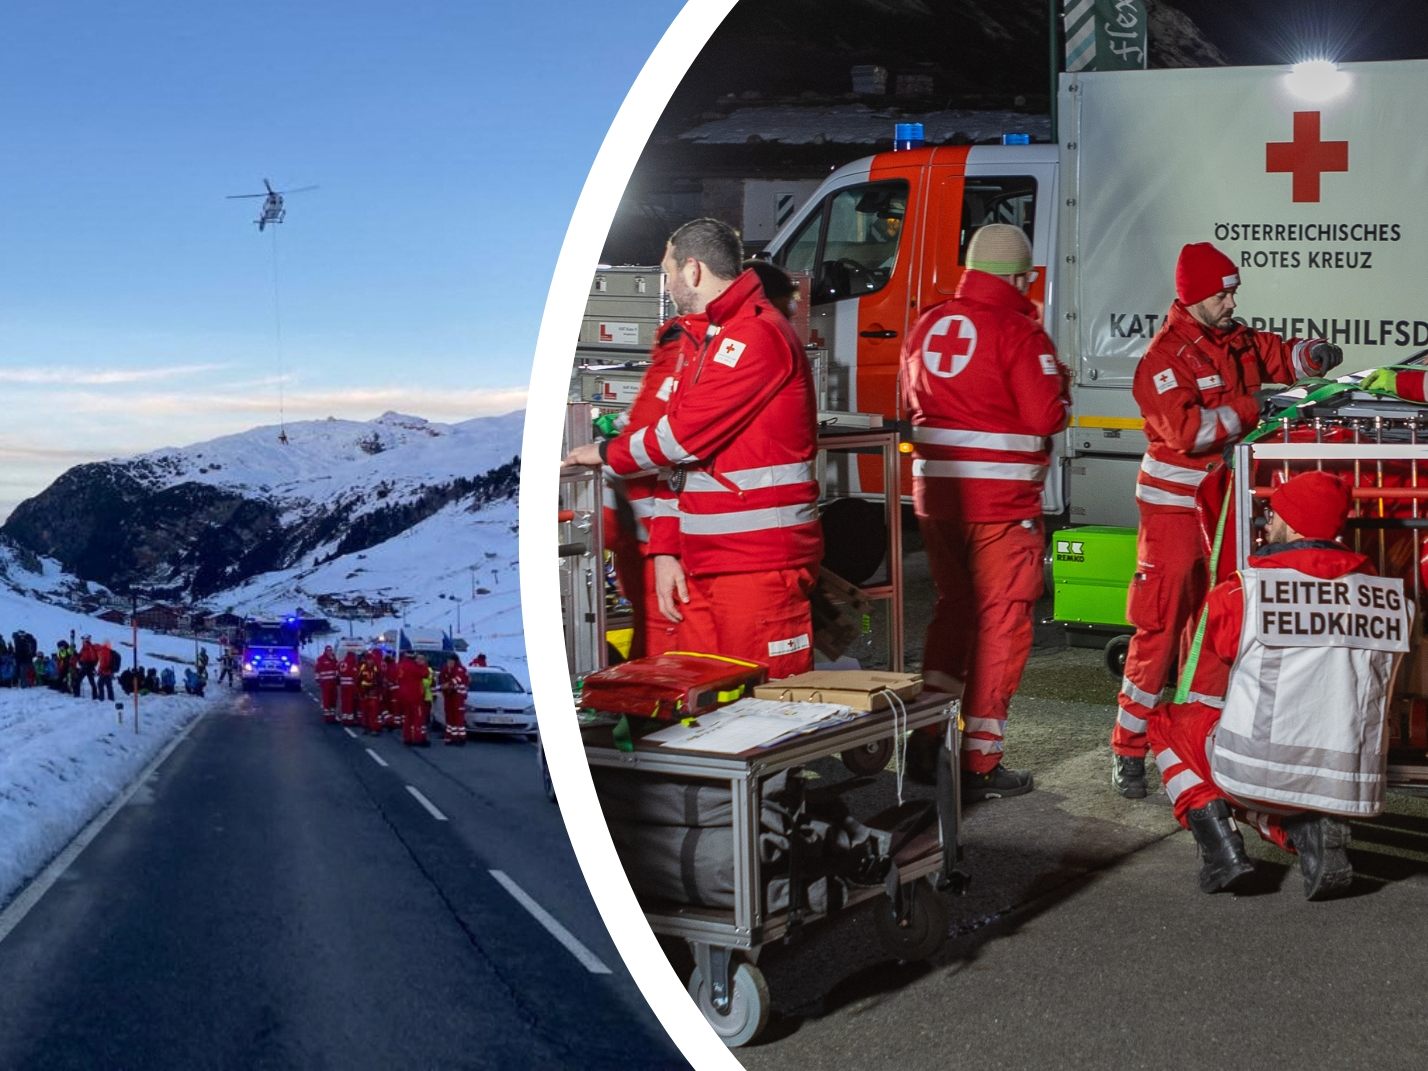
column 1116, row 656
column 748, row 1010
column 926, row 927
column 870, row 758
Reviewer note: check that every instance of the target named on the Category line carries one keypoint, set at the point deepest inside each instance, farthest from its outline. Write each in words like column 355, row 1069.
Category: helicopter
column 273, row 210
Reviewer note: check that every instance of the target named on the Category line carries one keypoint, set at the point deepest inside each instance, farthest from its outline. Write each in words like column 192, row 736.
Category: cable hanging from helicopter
column 274, row 212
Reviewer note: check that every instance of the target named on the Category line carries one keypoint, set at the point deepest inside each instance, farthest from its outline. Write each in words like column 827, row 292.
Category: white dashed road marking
column 377, row 758
column 430, row 807
column 587, row 959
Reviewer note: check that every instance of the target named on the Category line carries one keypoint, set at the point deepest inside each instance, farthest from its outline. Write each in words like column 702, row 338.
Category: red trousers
column 347, row 700
column 654, row 633
column 988, row 576
column 1170, row 584
column 1178, row 734
column 762, row 617
column 329, row 695
column 372, row 712
column 454, row 710
column 413, row 718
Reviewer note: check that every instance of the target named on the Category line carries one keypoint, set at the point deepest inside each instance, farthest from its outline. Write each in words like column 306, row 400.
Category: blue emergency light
column 1016, row 139
column 907, row 136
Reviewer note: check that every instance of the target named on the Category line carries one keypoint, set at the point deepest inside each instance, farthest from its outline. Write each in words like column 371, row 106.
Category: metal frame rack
column 734, row 998
column 1382, row 446
column 889, row 589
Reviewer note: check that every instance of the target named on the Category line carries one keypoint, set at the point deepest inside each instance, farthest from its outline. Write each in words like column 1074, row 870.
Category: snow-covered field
column 62, row 760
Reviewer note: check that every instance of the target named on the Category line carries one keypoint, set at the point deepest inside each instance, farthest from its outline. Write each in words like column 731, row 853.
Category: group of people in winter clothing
column 66, row 669
column 73, row 664
column 380, row 692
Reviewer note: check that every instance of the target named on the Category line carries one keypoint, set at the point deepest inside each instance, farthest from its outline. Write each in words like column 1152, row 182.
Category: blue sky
column 449, row 141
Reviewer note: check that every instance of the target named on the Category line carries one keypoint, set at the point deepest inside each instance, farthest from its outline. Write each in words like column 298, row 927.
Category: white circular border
column 540, row 595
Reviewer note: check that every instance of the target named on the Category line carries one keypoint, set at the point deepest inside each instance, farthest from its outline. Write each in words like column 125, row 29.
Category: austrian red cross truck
column 1314, row 183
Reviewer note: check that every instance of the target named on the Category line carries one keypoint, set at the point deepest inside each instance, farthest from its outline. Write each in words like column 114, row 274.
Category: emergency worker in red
column 984, row 391
column 411, row 686
column 739, row 433
column 454, row 684
column 347, row 688
column 326, row 670
column 640, row 509
column 370, row 692
column 1187, row 739
column 1197, row 387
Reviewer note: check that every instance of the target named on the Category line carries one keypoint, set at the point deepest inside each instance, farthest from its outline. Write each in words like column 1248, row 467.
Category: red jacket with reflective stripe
column 984, row 391
column 650, row 498
column 740, row 429
column 1226, row 605
column 1196, row 389
column 326, row 667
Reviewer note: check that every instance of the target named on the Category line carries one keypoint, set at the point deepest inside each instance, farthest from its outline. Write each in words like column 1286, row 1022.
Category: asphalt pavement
column 1084, row 942
column 287, row 894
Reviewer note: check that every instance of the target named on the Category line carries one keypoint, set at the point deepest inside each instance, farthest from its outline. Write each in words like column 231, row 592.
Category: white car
column 496, row 703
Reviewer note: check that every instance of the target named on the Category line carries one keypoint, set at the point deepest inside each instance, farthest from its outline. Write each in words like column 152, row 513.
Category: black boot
column 1222, row 849
column 1322, row 843
column 1128, row 776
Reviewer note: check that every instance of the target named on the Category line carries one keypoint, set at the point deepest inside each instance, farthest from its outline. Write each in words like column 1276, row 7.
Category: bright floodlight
column 1317, row 80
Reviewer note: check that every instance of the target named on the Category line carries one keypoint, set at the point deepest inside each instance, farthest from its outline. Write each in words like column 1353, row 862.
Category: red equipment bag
column 674, row 685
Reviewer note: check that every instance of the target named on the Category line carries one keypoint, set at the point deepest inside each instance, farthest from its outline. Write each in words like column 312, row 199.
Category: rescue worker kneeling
column 1284, row 723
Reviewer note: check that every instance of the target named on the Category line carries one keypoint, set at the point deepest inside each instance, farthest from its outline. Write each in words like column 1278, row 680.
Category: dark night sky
column 1282, row 31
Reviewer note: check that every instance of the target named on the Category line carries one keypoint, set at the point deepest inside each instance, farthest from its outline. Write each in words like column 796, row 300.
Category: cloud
column 87, row 377
column 22, row 454
column 207, row 411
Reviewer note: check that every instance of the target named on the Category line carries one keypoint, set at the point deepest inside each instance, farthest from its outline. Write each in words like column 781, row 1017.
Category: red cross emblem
column 1306, row 157
column 947, row 352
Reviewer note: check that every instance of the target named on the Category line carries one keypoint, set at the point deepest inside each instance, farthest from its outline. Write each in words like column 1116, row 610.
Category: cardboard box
column 860, row 689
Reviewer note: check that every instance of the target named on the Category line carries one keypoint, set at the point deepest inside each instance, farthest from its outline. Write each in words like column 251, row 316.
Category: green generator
column 1091, row 571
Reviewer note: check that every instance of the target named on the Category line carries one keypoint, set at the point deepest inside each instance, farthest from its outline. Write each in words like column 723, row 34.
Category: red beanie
column 1203, row 271
column 1315, row 504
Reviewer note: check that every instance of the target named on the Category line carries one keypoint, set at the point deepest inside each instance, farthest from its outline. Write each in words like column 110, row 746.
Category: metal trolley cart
column 726, row 983
column 1381, row 446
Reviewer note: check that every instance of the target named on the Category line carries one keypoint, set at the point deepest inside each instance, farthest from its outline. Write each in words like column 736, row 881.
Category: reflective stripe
column 751, row 479
column 644, row 507
column 1230, row 419
column 982, row 440
column 985, row 747
column 665, row 507
column 1209, row 430
column 1186, row 778
column 1216, row 701
column 979, row 470
column 608, row 498
column 1135, row 695
column 1128, row 721
column 1155, row 496
column 984, row 725
column 669, row 445
column 1164, row 760
column 638, row 452
column 1300, row 358
column 1162, row 470
column 749, row 520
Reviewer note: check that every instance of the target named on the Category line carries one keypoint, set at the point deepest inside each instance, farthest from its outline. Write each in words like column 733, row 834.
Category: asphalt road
column 277, row 896
column 1084, row 942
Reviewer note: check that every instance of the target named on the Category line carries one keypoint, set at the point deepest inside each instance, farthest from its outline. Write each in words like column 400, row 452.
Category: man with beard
column 1198, row 388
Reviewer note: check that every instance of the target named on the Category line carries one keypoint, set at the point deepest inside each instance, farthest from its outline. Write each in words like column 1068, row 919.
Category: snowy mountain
column 191, row 523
